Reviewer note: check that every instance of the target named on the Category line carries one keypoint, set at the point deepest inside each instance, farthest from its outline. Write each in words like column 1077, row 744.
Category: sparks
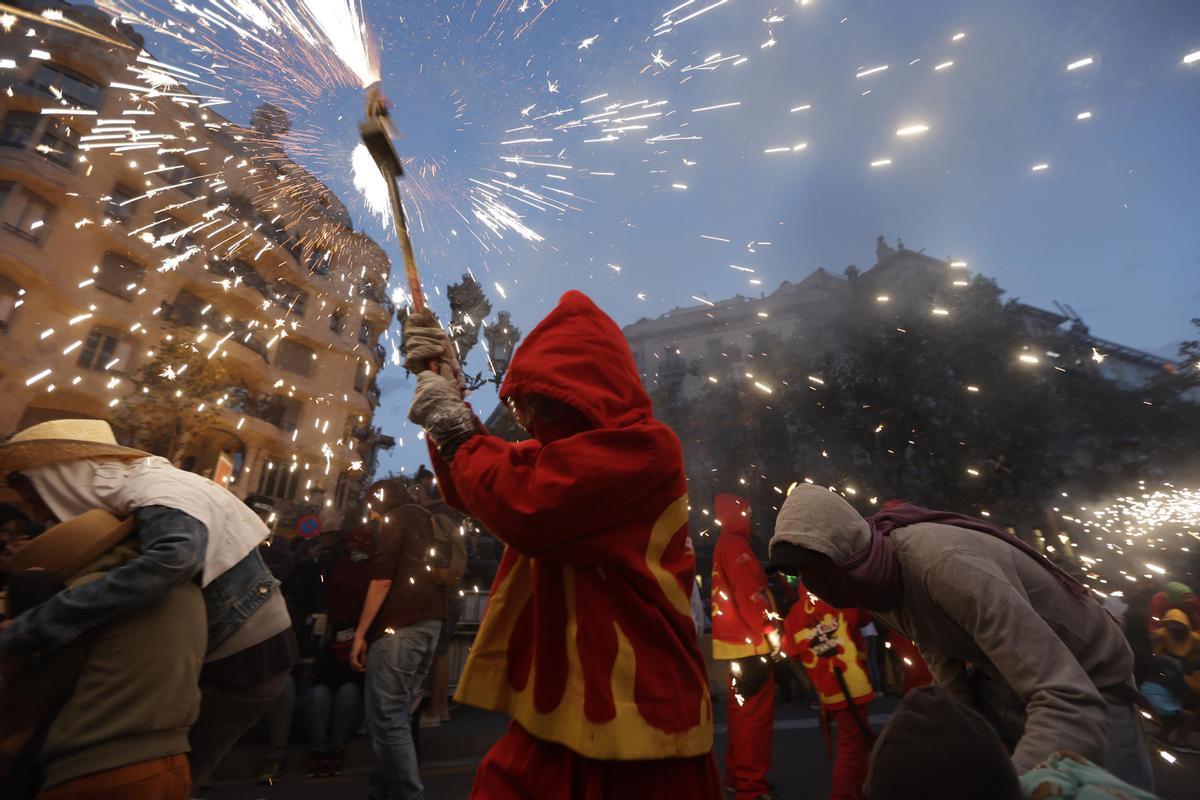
column 1083, row 62
column 864, row 73
column 370, row 183
column 341, row 21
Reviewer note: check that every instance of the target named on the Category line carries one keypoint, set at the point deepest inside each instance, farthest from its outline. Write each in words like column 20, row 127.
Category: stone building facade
column 732, row 329
column 129, row 208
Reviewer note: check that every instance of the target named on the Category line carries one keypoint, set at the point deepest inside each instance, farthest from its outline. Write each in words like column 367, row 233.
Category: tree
column 176, row 393
column 888, row 400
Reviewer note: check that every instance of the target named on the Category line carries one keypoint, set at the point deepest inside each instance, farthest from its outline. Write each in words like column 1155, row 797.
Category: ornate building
column 730, row 331
column 135, row 222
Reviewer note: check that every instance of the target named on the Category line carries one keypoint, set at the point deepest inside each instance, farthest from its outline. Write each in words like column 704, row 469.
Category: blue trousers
column 396, row 668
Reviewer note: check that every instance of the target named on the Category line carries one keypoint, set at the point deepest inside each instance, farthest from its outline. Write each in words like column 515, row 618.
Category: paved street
column 800, row 769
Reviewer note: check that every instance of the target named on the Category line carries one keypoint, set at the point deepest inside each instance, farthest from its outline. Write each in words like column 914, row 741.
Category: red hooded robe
column 741, row 599
column 588, row 639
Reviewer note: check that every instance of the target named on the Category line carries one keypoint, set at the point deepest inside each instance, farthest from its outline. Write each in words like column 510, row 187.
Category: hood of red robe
column 733, row 512
column 578, row 356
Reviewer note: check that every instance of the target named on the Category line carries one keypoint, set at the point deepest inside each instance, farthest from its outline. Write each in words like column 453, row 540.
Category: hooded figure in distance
column 587, row 641
column 745, row 635
column 1050, row 668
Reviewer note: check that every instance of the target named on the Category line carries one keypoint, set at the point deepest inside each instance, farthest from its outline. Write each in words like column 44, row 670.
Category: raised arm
column 553, row 500
column 172, row 553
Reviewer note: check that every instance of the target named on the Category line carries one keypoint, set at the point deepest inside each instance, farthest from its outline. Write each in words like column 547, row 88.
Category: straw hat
column 61, row 440
column 70, row 546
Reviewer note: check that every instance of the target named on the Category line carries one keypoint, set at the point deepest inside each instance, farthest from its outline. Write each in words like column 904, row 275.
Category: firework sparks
column 371, row 184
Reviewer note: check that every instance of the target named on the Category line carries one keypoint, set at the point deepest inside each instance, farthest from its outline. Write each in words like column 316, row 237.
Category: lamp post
column 501, row 338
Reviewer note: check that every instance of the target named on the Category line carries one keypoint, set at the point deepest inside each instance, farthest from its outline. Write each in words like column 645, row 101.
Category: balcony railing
column 272, row 409
column 192, row 318
column 373, row 292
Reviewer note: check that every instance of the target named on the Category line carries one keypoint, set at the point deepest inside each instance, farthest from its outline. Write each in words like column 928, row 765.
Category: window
column 105, row 350
column 290, row 419
column 74, row 87
column 346, row 484
column 294, row 357
column 188, row 309
column 119, row 275
column 360, row 378
column 244, row 274
column 10, row 295
column 121, row 203
column 318, row 262
column 58, row 143
column 23, row 212
column 292, row 298
column 760, row 341
column 365, row 332
column 712, row 351
column 173, row 171
column 337, row 320
column 279, row 479
column 17, row 130
column 167, row 234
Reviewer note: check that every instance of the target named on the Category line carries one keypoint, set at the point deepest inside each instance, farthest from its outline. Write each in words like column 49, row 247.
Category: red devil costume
column 742, row 620
column 587, row 641
column 826, row 641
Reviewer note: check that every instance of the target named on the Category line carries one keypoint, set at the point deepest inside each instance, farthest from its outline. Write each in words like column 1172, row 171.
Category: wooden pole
column 410, row 262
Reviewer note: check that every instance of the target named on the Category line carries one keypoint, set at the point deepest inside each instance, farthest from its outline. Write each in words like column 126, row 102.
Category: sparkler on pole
column 376, row 132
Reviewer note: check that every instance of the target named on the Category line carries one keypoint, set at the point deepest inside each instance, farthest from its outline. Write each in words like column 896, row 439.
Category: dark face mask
column 868, row 579
column 548, row 420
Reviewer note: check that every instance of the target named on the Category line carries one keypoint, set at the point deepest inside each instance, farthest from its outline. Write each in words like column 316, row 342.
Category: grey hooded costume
column 969, row 597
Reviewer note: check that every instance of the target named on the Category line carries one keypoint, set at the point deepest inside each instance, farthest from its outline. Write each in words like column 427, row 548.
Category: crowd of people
column 327, row 581
column 157, row 618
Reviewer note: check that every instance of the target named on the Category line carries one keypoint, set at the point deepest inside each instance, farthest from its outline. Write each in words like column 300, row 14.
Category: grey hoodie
column 970, row 597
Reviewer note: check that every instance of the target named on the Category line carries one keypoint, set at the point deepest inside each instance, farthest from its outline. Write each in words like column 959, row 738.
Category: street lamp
column 501, row 337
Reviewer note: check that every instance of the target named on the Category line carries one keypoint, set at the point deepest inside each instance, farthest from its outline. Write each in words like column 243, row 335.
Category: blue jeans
column 333, row 717
column 873, row 663
column 1128, row 751
column 396, row 670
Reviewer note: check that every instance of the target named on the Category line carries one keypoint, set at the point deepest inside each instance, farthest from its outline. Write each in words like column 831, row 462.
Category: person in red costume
column 826, row 642
column 744, row 634
column 587, row 641
column 914, row 672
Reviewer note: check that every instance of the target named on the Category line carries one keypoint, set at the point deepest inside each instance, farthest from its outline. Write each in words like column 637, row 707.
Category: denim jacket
column 172, row 553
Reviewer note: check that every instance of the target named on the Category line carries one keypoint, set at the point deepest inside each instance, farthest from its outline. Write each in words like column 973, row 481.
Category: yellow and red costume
column 826, row 641
column 587, row 641
column 742, row 617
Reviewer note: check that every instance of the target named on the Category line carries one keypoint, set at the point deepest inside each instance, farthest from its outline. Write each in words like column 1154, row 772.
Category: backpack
column 450, row 563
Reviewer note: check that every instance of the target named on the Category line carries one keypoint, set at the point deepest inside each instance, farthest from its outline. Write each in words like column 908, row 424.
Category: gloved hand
column 426, row 342
column 438, row 407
